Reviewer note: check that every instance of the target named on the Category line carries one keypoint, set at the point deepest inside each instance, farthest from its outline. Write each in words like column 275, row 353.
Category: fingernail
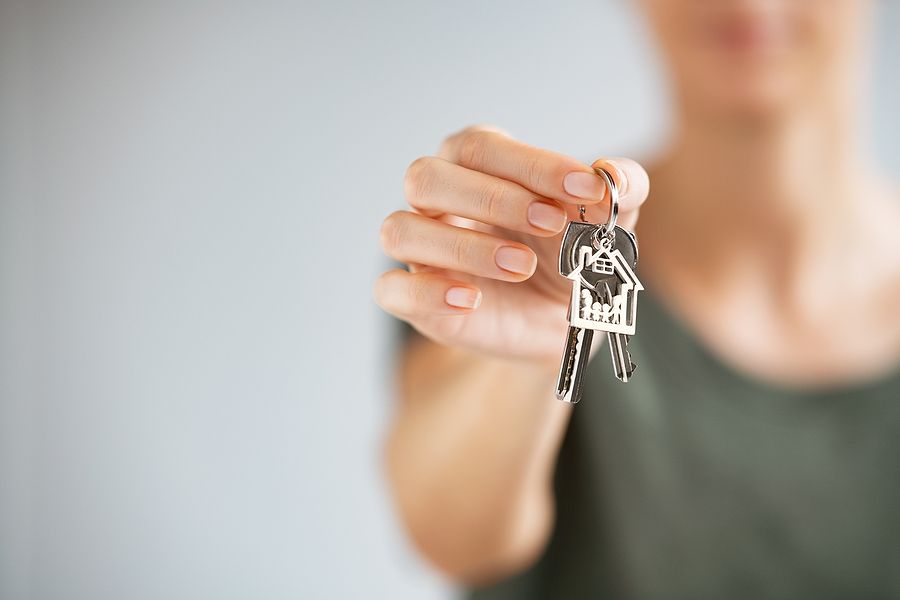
column 515, row 260
column 584, row 185
column 546, row 216
column 462, row 297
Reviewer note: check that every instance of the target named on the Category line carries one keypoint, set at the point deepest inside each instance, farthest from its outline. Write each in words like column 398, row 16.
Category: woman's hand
column 482, row 242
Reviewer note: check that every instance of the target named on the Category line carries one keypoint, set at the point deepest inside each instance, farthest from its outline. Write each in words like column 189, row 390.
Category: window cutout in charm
column 604, row 266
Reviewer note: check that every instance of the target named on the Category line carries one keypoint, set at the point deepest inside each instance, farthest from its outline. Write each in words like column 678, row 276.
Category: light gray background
column 193, row 375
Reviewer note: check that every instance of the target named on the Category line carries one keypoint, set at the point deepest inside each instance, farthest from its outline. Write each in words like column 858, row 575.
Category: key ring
column 613, row 199
column 607, row 232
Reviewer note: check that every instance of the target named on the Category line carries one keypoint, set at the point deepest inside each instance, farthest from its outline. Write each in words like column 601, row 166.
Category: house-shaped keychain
column 604, row 285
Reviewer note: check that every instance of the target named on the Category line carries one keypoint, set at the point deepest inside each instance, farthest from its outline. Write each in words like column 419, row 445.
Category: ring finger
column 413, row 238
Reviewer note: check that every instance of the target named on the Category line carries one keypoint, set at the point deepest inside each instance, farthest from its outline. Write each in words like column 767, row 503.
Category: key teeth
column 565, row 383
column 578, row 346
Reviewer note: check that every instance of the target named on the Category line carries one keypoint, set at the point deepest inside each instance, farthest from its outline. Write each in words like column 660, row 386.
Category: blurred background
column 194, row 380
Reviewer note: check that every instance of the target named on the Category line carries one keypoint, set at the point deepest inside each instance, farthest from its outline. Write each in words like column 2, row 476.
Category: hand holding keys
column 482, row 242
column 600, row 261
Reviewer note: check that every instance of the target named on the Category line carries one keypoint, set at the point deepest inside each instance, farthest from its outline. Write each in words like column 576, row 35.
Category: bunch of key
column 600, row 260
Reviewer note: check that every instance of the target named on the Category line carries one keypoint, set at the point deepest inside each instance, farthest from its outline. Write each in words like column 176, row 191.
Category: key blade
column 618, row 348
column 621, row 359
column 574, row 362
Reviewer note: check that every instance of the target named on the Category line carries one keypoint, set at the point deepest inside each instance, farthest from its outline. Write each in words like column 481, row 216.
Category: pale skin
column 754, row 201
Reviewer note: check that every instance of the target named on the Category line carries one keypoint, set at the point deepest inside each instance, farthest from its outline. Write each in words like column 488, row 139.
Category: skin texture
column 753, row 199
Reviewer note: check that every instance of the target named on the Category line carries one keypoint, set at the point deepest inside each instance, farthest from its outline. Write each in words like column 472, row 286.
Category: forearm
column 471, row 456
column 473, row 446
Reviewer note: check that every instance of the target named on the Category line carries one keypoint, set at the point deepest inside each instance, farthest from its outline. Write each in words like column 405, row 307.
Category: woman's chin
column 743, row 99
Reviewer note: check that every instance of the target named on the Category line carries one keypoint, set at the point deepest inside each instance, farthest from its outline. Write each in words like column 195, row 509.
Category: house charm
column 604, row 285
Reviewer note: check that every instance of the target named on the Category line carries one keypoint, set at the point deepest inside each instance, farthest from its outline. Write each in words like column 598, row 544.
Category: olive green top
column 693, row 481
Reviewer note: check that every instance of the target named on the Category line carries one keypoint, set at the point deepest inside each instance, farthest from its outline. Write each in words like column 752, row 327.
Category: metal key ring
column 610, row 224
column 613, row 199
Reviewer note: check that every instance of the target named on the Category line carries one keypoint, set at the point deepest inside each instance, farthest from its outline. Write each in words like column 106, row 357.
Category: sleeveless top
column 694, row 481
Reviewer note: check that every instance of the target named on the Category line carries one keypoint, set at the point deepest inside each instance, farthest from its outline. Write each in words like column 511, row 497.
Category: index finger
column 546, row 173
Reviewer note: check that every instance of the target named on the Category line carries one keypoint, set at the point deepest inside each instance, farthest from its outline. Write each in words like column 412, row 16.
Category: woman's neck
column 750, row 174
column 795, row 182
column 758, row 234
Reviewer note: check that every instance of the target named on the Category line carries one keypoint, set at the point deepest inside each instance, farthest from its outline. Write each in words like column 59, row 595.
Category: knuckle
column 459, row 251
column 451, row 143
column 473, row 147
column 452, row 140
column 533, row 171
column 419, row 177
column 447, row 145
column 490, row 200
column 393, row 231
column 380, row 289
column 418, row 292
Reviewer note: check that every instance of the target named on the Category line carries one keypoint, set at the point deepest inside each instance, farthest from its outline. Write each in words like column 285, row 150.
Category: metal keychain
column 600, row 261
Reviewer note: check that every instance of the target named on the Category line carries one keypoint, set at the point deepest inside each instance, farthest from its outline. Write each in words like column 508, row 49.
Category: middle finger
column 415, row 239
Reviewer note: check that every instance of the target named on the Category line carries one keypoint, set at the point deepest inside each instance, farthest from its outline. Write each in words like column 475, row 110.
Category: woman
column 754, row 452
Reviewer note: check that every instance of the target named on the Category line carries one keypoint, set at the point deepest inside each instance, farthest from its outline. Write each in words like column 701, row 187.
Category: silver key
column 623, row 366
column 577, row 350
column 604, row 298
column 574, row 362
